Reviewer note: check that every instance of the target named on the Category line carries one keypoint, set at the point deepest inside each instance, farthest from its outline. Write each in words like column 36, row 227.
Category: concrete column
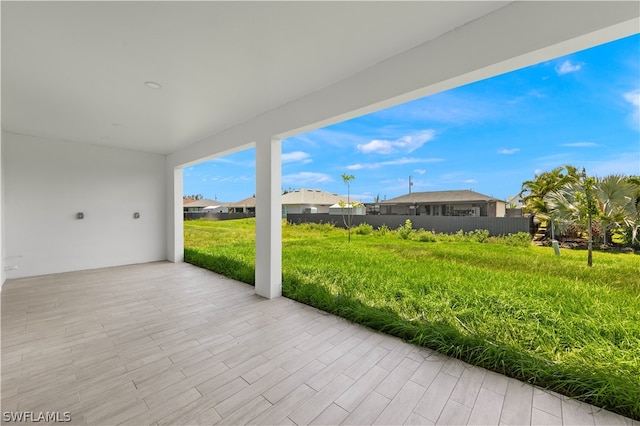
column 268, row 218
column 175, row 225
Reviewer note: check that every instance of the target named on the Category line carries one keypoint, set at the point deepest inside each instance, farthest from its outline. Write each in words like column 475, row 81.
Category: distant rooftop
column 311, row 196
column 456, row 196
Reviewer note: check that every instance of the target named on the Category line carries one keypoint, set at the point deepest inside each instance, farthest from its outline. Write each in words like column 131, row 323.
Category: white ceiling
column 76, row 70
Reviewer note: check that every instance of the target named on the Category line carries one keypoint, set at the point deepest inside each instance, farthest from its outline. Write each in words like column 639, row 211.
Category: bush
column 363, row 229
column 311, row 226
column 405, row 231
column 479, row 235
column 521, row 239
column 383, row 230
column 424, row 236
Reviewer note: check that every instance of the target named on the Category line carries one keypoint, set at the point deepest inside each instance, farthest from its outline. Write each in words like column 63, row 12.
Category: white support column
column 268, row 218
column 175, row 225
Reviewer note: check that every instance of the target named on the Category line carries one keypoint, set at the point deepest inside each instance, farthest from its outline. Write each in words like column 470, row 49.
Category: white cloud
column 579, row 144
column 420, row 171
column 407, row 143
column 509, row 151
column 633, row 98
column 296, row 156
column 306, row 178
column 567, row 67
column 234, row 162
column 232, row 179
column 398, row 162
column 470, row 181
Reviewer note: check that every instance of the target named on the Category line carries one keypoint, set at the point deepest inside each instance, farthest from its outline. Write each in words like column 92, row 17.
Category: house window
column 427, row 210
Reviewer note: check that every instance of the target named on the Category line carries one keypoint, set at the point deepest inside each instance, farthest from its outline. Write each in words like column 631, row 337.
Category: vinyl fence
column 216, row 216
column 438, row 224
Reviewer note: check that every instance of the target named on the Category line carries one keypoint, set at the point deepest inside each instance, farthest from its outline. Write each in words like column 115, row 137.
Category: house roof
column 202, row 203
column 311, row 196
column 458, row 196
column 247, row 202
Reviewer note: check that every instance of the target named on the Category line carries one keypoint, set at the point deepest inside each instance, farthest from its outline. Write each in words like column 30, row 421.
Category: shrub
column 383, row 229
column 521, row 239
column 405, row 231
column 311, row 226
column 363, row 229
column 479, row 235
column 424, row 236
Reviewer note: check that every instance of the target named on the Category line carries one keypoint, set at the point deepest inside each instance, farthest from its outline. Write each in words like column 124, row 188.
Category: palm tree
column 575, row 203
column 615, row 196
column 534, row 191
column 347, row 180
column 632, row 222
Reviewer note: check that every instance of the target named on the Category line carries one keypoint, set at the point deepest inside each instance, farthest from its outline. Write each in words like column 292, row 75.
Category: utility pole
column 410, row 184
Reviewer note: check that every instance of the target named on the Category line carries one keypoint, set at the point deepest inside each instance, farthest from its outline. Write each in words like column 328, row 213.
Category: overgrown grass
column 519, row 310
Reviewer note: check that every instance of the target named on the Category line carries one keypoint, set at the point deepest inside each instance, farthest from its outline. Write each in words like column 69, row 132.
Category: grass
column 519, row 310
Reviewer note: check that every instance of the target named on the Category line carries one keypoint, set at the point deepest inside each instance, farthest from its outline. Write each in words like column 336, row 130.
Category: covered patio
column 104, row 104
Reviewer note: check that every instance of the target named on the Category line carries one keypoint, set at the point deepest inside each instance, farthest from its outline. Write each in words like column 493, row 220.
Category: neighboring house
column 309, row 201
column 216, row 209
column 357, row 210
column 515, row 206
column 191, row 206
column 515, row 202
column 445, row 203
column 248, row 205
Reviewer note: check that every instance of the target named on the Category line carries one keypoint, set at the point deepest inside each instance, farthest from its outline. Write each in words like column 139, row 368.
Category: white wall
column 48, row 182
column 2, row 233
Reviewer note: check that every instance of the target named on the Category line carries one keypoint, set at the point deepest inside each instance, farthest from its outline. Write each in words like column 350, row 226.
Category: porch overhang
column 499, row 38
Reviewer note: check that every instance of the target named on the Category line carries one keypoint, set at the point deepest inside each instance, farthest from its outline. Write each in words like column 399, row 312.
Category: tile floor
column 172, row 344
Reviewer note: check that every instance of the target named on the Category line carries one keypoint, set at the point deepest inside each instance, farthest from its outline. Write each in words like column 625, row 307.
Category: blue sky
column 490, row 136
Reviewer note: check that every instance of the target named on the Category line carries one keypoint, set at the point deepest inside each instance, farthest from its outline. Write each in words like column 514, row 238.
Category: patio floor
column 165, row 343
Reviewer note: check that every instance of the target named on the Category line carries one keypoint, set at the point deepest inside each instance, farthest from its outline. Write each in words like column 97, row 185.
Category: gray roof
column 459, row 196
column 247, row 202
column 311, row 196
column 205, row 202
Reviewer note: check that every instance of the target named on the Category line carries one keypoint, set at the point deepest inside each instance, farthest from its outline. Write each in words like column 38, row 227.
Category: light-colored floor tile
column 468, row 386
column 576, row 413
column 436, row 396
column 275, row 414
column 542, row 418
column 454, row 413
column 332, row 415
column 167, row 344
column 415, row 419
column 487, row 408
column 495, row 382
column 604, row 418
column 321, row 400
column 398, row 410
column 518, row 402
column 397, row 378
column 368, row 411
column 427, row 372
column 353, row 396
column 547, row 401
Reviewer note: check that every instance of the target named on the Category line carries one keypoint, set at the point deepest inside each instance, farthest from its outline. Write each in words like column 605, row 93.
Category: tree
column 194, row 197
column 632, row 218
column 347, row 180
column 615, row 195
column 534, row 191
column 576, row 203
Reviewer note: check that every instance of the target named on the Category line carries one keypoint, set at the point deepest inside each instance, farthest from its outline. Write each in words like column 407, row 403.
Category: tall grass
column 518, row 310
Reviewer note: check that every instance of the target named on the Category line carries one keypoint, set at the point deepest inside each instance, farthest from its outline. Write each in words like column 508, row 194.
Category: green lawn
column 522, row 311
